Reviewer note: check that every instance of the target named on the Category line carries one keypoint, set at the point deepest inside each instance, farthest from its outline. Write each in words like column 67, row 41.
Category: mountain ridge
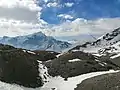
column 36, row 41
column 106, row 42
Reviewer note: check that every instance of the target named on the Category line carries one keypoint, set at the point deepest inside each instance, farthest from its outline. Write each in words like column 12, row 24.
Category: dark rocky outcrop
column 46, row 55
column 103, row 82
column 20, row 66
column 88, row 63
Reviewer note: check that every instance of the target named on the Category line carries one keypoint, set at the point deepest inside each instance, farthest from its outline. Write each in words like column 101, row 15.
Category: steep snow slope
column 36, row 41
column 109, row 42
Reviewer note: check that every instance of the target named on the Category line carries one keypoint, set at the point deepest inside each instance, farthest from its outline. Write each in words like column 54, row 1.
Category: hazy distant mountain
column 36, row 41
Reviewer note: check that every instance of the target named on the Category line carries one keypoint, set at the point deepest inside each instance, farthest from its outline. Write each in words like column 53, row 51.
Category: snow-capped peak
column 109, row 43
column 36, row 41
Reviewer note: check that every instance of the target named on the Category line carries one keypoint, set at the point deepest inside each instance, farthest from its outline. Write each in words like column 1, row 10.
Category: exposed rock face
column 103, row 82
column 108, row 43
column 21, row 66
column 86, row 63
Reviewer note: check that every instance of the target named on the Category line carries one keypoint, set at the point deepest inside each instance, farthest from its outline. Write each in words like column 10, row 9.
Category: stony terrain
column 25, row 67
column 108, row 43
column 103, row 82
column 62, row 66
column 21, row 66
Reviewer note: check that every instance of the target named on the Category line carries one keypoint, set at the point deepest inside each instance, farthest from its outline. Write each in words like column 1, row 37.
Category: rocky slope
column 72, row 64
column 36, row 41
column 33, row 68
column 103, row 82
column 21, row 66
column 108, row 43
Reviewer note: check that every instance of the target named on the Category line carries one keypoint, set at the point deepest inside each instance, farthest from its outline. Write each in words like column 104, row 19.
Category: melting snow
column 75, row 50
column 115, row 56
column 97, row 60
column 105, row 63
column 99, row 55
column 57, row 83
column 59, row 55
column 75, row 60
column 101, row 64
column 31, row 52
column 43, row 72
column 24, row 50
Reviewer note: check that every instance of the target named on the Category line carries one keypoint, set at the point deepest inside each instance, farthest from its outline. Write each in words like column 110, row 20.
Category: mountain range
column 108, row 43
column 47, row 70
column 36, row 41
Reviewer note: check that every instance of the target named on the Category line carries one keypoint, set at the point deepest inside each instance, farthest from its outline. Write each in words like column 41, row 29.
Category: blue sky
column 59, row 18
column 87, row 9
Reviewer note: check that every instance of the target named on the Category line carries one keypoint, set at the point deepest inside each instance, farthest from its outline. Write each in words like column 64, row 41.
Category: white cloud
column 29, row 4
column 15, row 27
column 69, row 4
column 65, row 16
column 54, row 4
column 26, row 10
column 19, row 14
column 83, row 27
column 77, row 27
column 20, row 17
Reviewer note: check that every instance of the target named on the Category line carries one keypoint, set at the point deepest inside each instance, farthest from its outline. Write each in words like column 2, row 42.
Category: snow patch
column 104, row 63
column 115, row 56
column 24, row 50
column 75, row 60
column 59, row 55
column 75, row 50
column 43, row 72
column 58, row 83
column 31, row 52
column 101, row 64
column 97, row 54
column 97, row 60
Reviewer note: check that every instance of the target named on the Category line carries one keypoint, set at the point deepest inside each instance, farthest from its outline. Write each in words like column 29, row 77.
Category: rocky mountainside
column 72, row 64
column 21, row 66
column 108, row 43
column 36, row 41
column 35, row 68
column 107, row 47
column 103, row 82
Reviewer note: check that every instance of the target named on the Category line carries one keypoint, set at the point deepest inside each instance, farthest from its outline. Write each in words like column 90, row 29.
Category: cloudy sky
column 59, row 18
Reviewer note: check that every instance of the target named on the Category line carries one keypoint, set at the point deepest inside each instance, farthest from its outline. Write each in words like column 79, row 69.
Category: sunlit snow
column 57, row 83
column 75, row 60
